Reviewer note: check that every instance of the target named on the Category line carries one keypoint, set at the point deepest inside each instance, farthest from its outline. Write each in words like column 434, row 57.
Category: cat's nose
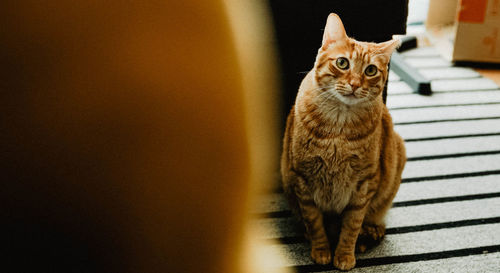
column 354, row 86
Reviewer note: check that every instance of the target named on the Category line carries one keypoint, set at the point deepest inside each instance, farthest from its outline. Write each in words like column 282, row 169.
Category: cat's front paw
column 370, row 236
column 321, row 255
column 344, row 261
column 376, row 232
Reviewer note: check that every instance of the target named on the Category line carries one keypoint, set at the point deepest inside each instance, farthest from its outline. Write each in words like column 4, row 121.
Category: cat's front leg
column 313, row 221
column 352, row 220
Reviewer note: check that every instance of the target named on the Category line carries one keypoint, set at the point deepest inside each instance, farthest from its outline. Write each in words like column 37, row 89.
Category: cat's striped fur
column 340, row 153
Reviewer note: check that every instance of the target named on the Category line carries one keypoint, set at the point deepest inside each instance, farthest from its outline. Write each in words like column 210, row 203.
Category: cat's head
column 349, row 70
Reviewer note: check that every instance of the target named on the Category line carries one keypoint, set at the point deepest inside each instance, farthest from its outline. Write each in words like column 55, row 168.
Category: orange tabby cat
column 340, row 153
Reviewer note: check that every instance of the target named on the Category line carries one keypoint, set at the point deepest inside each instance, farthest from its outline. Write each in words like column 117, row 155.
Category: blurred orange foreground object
column 126, row 140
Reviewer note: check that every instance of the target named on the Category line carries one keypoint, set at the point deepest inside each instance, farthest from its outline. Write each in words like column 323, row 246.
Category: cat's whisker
column 326, row 96
column 302, row 72
column 328, row 102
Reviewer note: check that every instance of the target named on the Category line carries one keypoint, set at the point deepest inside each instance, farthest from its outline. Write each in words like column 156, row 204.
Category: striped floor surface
column 446, row 215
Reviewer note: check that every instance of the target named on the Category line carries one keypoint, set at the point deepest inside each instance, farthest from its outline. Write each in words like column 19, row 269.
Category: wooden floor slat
column 448, row 166
column 414, row 131
column 452, row 147
column 443, row 99
column 445, row 113
column 448, row 73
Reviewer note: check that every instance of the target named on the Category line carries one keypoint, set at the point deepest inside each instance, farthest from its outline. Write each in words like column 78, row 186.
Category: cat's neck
column 326, row 116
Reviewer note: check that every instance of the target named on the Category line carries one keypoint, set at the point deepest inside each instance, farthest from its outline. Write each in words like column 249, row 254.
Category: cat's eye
column 342, row 63
column 371, row 70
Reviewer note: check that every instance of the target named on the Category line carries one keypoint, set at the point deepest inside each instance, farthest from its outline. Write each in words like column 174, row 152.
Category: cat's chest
column 331, row 168
column 330, row 156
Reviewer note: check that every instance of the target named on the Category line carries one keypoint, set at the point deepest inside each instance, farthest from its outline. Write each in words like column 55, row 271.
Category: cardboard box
column 465, row 30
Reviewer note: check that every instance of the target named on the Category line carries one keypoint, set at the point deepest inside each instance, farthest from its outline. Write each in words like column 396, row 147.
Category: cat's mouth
column 349, row 98
column 349, row 95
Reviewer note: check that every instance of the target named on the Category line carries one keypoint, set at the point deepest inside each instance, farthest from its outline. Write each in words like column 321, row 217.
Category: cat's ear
column 388, row 47
column 334, row 31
